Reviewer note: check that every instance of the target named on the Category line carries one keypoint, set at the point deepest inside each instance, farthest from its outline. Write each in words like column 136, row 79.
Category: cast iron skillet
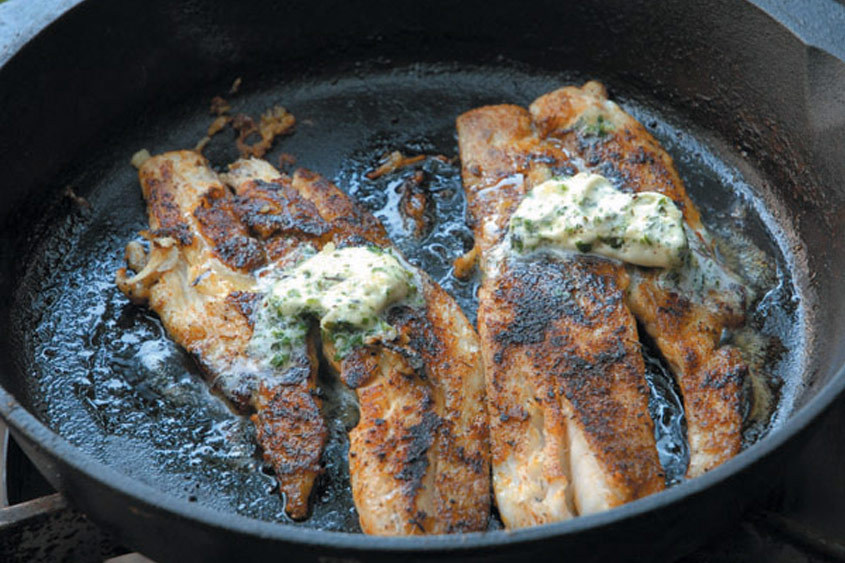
column 771, row 101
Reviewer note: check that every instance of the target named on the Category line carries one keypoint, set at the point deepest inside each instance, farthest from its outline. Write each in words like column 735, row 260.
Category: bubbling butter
column 585, row 213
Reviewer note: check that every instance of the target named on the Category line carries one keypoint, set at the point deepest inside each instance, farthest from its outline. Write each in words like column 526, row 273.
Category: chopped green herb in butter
column 594, row 124
column 599, row 121
column 347, row 289
column 585, row 213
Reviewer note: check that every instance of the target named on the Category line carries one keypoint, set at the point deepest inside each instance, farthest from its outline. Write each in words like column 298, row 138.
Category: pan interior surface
column 107, row 379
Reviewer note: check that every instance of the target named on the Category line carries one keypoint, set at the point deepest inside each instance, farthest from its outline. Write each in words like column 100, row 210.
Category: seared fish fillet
column 506, row 151
column 419, row 455
column 567, row 398
column 198, row 277
column 685, row 320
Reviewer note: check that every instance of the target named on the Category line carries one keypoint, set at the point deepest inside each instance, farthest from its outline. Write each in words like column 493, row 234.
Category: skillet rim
column 25, row 423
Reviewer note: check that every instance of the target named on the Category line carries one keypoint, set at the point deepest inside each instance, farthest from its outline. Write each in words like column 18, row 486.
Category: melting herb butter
column 585, row 213
column 595, row 123
column 347, row 289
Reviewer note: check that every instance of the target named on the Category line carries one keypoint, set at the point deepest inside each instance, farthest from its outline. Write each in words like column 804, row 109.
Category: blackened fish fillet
column 685, row 320
column 567, row 398
column 419, row 454
column 198, row 277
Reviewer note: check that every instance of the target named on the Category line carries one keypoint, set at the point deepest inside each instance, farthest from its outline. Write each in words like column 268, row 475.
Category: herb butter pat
column 346, row 288
column 585, row 213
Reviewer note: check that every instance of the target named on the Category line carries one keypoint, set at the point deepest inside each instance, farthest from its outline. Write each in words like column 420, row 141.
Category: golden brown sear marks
column 292, row 432
column 390, row 449
column 570, row 429
column 198, row 278
column 618, row 147
column 219, row 224
column 712, row 377
column 502, row 158
column 274, row 208
column 687, row 330
column 569, row 319
column 305, row 206
column 351, row 223
column 419, row 455
column 184, row 278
